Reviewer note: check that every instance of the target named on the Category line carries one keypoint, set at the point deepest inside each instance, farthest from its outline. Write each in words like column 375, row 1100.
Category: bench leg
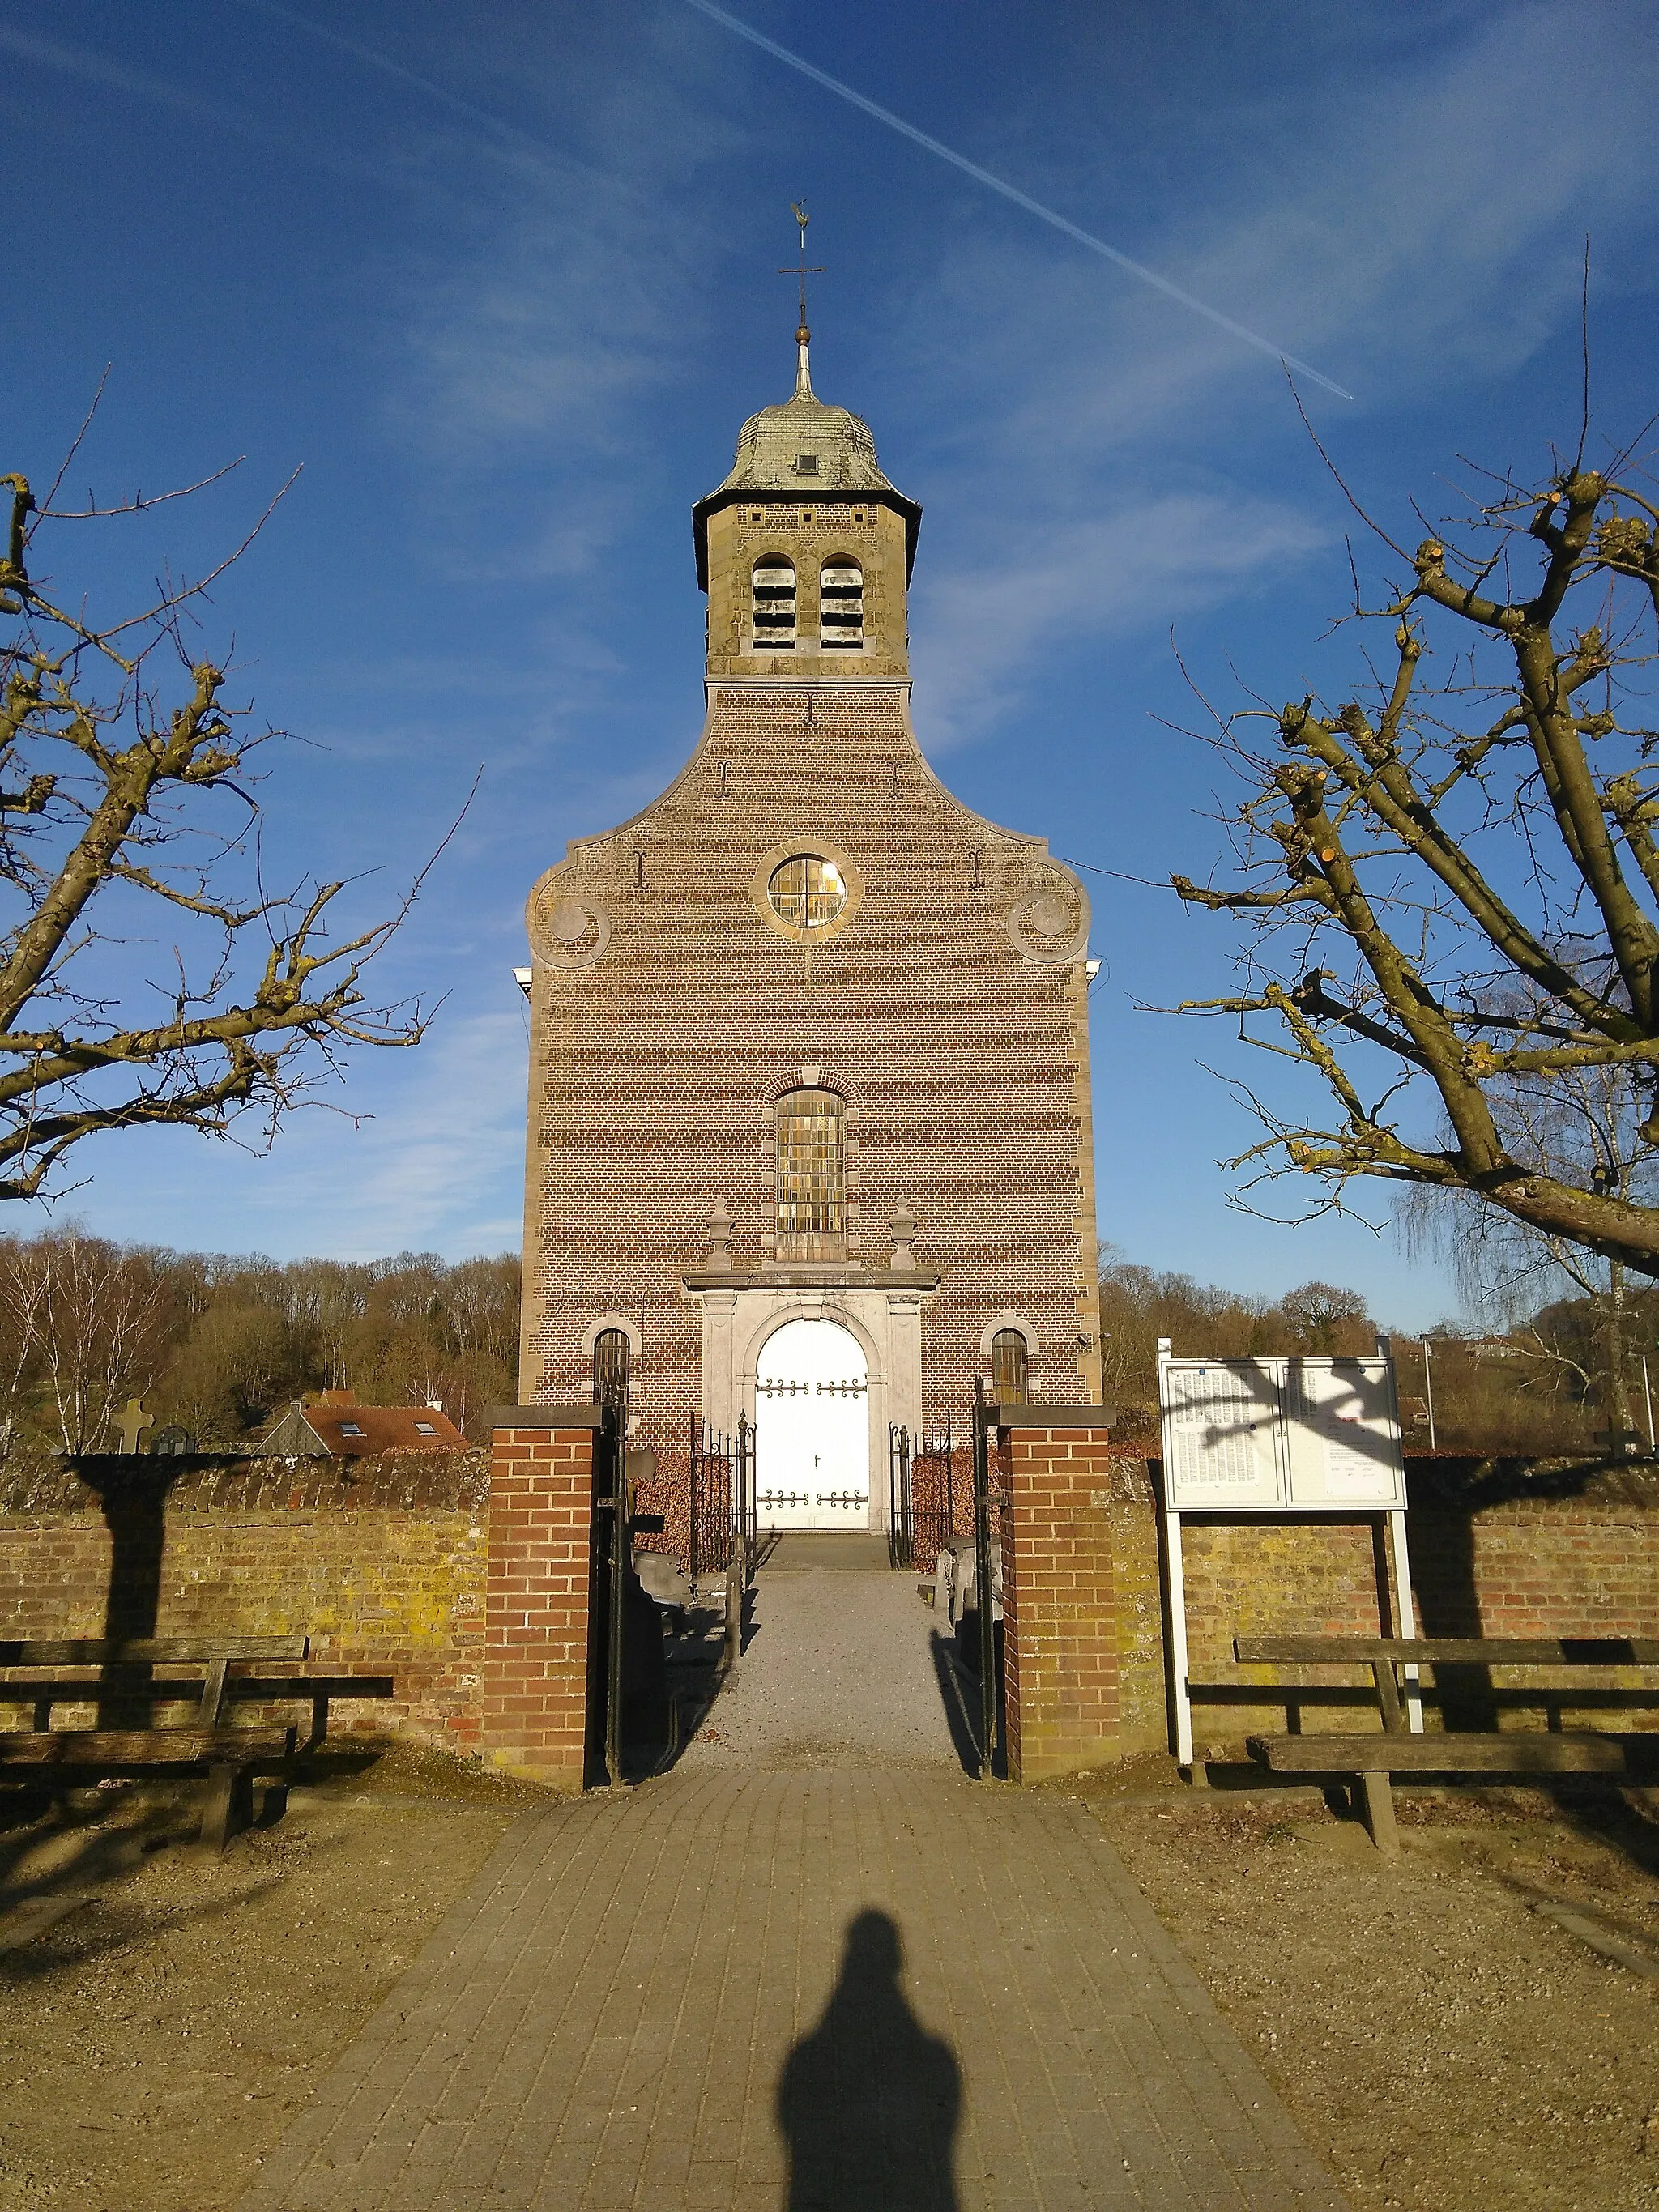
column 219, row 1805
column 1377, row 1806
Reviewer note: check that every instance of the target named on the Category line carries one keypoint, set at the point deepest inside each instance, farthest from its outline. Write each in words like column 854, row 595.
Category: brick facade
column 535, row 1643
column 670, row 1011
column 1059, row 1594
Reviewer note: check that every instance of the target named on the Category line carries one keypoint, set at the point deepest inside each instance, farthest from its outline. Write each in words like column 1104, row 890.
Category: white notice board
column 1299, row 1435
column 1221, row 1433
column 1303, row 1435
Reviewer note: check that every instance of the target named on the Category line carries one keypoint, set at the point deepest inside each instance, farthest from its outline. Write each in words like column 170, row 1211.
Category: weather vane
column 803, row 336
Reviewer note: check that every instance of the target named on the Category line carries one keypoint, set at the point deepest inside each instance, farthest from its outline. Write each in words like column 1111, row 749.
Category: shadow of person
column 869, row 2102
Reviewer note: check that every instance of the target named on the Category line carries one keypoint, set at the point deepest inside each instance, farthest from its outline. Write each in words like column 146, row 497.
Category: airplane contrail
column 1012, row 192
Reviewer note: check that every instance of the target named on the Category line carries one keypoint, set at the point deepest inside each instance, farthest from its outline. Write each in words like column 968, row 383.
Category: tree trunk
column 1619, row 1403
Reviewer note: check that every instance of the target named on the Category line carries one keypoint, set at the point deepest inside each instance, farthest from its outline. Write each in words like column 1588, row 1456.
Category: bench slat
column 1516, row 1752
column 239, row 1690
column 1448, row 1651
column 148, row 1651
column 107, row 1748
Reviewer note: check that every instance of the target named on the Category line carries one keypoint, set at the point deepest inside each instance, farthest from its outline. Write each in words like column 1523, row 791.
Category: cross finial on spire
column 803, row 336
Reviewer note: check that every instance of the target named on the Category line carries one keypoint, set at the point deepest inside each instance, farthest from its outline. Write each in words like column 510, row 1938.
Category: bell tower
column 805, row 550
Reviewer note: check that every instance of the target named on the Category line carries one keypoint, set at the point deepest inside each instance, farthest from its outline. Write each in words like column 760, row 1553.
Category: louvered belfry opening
column 812, row 1221
column 612, row 1362
column 774, row 604
column 841, row 605
column 1009, row 1381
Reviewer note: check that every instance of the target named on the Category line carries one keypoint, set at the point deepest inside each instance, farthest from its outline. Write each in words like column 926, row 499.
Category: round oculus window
column 807, row 890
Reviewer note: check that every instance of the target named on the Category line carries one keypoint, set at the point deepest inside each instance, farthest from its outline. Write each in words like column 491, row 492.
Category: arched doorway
column 812, row 1428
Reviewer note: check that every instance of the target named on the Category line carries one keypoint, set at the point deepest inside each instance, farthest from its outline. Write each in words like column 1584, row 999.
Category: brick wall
column 1060, row 1596
column 381, row 1561
column 1497, row 1548
column 536, row 1642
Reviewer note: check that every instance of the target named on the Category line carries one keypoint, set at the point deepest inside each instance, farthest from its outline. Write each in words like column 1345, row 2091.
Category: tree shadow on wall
column 869, row 2103
column 131, row 1489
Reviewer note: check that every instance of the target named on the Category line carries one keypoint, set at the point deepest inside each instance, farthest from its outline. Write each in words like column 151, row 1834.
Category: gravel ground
column 157, row 2038
column 1445, row 2045
column 839, row 1669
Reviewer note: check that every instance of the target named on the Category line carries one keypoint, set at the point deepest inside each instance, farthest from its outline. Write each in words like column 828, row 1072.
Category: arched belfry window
column 1010, row 1374
column 612, row 1367
column 840, row 606
column 774, row 604
column 811, row 1181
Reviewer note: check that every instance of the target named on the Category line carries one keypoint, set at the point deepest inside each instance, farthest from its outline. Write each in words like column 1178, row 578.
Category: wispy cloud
column 1148, row 560
column 1086, row 239
column 1410, row 250
column 110, row 75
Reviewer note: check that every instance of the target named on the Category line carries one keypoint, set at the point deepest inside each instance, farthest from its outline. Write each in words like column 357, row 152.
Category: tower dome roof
column 805, row 446
column 802, row 450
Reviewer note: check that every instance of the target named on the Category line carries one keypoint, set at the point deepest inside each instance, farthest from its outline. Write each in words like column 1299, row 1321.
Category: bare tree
column 1581, row 1125
column 147, row 975
column 1415, row 861
column 100, row 1319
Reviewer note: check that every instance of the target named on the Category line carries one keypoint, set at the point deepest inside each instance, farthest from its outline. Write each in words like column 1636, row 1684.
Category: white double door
column 812, row 1429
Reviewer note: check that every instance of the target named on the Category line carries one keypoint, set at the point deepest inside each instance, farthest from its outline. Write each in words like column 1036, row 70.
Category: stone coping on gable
column 543, row 1417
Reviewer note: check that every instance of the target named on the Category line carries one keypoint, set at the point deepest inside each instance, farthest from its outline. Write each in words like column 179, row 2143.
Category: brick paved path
column 638, row 1988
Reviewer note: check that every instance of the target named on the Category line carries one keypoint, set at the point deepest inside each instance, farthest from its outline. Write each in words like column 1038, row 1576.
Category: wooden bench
column 1399, row 1749
column 122, row 1672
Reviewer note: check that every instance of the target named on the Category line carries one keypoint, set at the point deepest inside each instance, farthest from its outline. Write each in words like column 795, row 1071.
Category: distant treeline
column 1540, row 1386
column 216, row 1346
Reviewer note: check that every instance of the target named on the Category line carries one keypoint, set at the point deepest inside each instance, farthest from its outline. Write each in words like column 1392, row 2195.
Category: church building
column 810, row 1127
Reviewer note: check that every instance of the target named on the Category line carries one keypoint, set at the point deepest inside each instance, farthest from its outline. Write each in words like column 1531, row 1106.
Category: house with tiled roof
column 335, row 1426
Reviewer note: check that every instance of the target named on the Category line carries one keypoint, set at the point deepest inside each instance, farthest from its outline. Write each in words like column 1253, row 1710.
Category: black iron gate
column 608, row 1548
column 724, row 1503
column 925, row 1474
column 709, row 1544
column 990, row 1702
column 900, row 1533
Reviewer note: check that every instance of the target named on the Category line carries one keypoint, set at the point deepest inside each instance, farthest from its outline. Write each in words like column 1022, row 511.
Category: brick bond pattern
column 965, row 1067
column 380, row 1560
column 536, row 1604
column 387, row 1572
column 1499, row 1548
column 1059, row 1605
column 605, row 2021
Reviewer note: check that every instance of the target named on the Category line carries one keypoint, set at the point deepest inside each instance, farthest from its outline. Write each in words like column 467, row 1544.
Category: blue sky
column 502, row 278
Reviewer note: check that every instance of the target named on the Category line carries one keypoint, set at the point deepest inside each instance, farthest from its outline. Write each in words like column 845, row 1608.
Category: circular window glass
column 807, row 891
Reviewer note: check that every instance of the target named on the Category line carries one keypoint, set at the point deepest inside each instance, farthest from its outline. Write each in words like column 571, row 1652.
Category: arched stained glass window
column 774, row 604
column 1009, row 1381
column 811, row 1196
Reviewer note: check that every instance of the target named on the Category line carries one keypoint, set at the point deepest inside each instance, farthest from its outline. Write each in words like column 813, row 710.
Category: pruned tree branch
column 111, row 795
column 1451, row 888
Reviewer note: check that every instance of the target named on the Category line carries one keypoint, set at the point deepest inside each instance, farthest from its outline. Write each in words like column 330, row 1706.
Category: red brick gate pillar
column 1059, row 1616
column 536, row 1591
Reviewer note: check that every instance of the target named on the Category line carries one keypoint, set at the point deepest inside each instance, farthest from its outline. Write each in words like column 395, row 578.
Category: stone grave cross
column 133, row 1423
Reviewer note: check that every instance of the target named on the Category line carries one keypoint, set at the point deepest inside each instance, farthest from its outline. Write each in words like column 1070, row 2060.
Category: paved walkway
column 800, row 1984
column 841, row 1666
